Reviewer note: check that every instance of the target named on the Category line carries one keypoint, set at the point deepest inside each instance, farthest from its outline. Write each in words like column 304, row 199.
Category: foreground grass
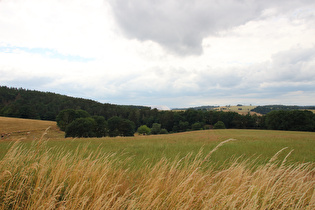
column 37, row 177
column 177, row 171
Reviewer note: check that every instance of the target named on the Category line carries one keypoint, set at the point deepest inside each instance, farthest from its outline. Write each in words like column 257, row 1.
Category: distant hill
column 241, row 109
column 268, row 108
column 198, row 108
column 31, row 104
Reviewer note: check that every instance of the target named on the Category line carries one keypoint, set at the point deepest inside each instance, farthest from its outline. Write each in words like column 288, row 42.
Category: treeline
column 293, row 120
column 78, row 123
column 268, row 108
column 117, row 120
column 31, row 104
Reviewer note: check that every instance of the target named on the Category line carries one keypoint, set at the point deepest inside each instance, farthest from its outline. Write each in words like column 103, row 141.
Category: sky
column 163, row 53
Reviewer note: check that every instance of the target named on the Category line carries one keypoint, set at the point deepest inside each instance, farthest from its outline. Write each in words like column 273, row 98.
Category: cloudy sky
column 166, row 52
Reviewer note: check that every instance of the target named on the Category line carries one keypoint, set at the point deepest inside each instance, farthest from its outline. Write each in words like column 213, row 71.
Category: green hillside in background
column 32, row 104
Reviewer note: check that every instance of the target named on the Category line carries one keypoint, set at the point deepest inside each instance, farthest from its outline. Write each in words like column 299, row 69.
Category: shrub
column 219, row 125
column 196, row 126
column 144, row 130
column 163, row 131
column 207, row 127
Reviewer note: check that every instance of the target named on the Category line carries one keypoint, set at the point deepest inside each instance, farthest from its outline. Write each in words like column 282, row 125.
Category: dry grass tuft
column 37, row 178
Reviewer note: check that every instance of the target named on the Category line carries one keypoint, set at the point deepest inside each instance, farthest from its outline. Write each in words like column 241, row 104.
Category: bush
column 163, row 131
column 196, row 126
column 207, row 127
column 144, row 130
column 219, row 125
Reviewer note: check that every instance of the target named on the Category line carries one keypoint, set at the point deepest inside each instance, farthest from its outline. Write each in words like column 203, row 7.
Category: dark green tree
column 118, row 126
column 134, row 116
column 113, row 126
column 156, row 128
column 167, row 120
column 65, row 117
column 127, row 128
column 183, row 126
column 100, row 127
column 81, row 127
column 81, row 113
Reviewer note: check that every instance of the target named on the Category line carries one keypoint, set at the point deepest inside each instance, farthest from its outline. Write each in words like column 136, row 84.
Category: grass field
column 176, row 171
column 15, row 128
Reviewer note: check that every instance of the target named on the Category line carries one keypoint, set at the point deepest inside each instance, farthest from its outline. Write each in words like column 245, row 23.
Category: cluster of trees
column 293, row 120
column 156, row 129
column 79, row 123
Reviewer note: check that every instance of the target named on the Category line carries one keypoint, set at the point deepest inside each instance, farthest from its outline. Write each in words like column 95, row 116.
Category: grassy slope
column 250, row 143
column 13, row 128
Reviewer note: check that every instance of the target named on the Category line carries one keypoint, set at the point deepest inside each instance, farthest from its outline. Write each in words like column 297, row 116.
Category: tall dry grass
column 38, row 178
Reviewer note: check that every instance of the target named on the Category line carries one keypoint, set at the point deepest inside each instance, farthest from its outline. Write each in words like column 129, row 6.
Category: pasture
column 178, row 171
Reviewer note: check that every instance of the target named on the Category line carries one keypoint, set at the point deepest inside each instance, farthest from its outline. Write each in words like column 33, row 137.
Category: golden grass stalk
column 40, row 178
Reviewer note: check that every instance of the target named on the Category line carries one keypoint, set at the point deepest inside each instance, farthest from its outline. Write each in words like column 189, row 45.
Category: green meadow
column 254, row 144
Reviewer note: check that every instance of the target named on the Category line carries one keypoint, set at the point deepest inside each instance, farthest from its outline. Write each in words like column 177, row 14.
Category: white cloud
column 251, row 52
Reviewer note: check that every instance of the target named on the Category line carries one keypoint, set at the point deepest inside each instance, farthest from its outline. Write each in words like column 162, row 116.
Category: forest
column 86, row 118
column 32, row 104
column 268, row 108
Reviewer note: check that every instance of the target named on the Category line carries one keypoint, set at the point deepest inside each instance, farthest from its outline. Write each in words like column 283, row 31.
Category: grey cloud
column 294, row 65
column 291, row 68
column 210, row 79
column 288, row 71
column 180, row 26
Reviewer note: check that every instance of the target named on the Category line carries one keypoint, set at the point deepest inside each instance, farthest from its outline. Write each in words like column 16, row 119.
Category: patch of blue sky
column 46, row 52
